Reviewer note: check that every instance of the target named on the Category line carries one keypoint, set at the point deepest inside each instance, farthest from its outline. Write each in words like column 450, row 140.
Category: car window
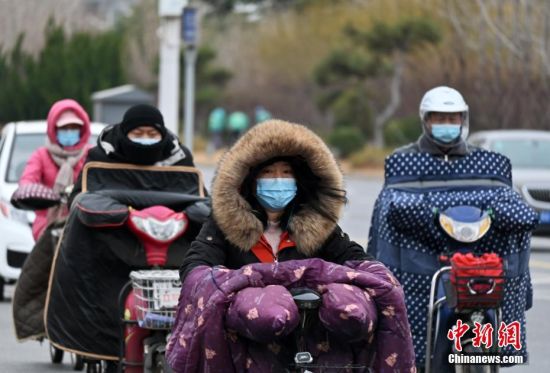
column 24, row 145
column 525, row 153
column 22, row 149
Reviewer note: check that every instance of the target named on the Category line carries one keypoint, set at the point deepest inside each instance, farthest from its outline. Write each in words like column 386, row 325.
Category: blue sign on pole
column 189, row 25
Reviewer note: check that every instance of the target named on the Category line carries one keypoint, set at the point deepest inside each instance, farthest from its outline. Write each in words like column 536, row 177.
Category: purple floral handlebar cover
column 242, row 320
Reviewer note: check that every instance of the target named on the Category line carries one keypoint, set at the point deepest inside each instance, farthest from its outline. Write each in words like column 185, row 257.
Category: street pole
column 189, row 35
column 169, row 64
column 190, row 60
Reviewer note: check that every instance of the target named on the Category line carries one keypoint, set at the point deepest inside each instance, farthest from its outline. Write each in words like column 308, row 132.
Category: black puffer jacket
column 234, row 231
column 211, row 248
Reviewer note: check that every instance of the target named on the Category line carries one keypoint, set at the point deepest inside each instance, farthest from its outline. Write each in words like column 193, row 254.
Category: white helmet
column 444, row 100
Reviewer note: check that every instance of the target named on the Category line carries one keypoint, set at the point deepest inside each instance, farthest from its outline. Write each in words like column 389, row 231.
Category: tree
column 344, row 75
column 15, row 92
column 226, row 6
column 378, row 53
column 141, row 44
column 71, row 67
column 504, row 59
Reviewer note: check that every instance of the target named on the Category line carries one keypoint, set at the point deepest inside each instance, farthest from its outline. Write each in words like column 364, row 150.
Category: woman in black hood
column 140, row 138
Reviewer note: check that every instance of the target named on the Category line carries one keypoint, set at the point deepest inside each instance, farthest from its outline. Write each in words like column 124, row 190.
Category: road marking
column 541, row 281
column 539, row 264
column 538, row 242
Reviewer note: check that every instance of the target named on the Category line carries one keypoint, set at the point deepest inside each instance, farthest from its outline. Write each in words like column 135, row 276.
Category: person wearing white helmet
column 445, row 125
column 441, row 170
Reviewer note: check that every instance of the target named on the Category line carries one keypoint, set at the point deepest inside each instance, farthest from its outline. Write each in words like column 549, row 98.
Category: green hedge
column 402, row 131
column 346, row 140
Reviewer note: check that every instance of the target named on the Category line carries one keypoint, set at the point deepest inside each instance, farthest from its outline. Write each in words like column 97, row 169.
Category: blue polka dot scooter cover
column 405, row 235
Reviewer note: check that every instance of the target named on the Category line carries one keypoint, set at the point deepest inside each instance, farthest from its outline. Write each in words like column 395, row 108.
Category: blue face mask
column 275, row 194
column 446, row 133
column 145, row 140
column 68, row 137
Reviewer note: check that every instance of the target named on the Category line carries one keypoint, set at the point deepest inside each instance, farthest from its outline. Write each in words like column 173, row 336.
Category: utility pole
column 189, row 36
column 169, row 74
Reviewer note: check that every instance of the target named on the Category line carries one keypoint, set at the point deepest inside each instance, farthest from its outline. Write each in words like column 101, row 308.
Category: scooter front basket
column 157, row 293
column 478, row 281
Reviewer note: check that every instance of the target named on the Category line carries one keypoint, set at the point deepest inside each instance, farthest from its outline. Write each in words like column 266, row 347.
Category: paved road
column 31, row 357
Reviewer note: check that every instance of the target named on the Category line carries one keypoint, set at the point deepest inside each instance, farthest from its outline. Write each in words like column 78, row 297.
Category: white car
column 529, row 152
column 18, row 141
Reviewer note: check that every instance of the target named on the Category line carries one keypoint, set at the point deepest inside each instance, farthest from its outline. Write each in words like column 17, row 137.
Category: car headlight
column 25, row 217
column 21, row 216
column 465, row 232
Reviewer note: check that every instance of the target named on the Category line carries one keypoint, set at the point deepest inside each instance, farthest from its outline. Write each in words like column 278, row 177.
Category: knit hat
column 142, row 115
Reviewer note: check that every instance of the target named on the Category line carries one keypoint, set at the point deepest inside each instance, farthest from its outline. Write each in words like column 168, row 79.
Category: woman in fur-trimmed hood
column 277, row 195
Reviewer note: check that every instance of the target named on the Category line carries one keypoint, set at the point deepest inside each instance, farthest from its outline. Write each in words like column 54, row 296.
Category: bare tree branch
column 451, row 13
column 503, row 38
column 395, row 99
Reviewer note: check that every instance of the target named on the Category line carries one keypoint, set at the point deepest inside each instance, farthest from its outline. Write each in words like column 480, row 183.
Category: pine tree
column 67, row 67
column 377, row 53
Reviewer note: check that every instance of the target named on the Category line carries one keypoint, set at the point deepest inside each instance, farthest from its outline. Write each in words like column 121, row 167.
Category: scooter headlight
column 161, row 231
column 465, row 231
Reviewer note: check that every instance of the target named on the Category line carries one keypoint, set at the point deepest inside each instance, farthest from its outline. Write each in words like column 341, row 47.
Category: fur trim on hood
column 274, row 138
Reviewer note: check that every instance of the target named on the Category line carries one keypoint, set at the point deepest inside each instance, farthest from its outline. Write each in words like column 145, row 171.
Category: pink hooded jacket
column 42, row 169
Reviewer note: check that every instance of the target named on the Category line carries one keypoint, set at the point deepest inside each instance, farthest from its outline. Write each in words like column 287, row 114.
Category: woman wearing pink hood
column 57, row 164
